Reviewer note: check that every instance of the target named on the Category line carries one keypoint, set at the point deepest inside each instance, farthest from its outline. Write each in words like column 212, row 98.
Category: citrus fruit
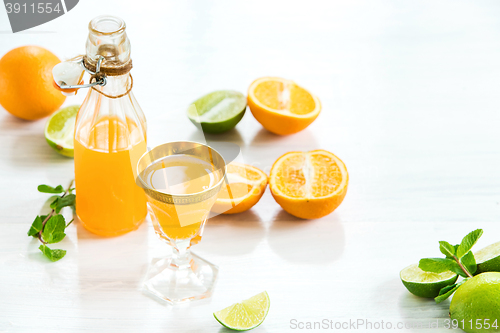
column 218, row 111
column 425, row 284
column 246, row 186
column 476, row 304
column 245, row 315
column 60, row 130
column 26, row 88
column 309, row 185
column 488, row 259
column 282, row 106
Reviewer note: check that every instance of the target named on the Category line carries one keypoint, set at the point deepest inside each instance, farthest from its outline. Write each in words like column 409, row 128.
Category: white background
column 410, row 94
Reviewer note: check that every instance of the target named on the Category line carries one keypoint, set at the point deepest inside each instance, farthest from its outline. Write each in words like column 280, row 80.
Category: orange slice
column 282, row 106
column 246, row 186
column 309, row 185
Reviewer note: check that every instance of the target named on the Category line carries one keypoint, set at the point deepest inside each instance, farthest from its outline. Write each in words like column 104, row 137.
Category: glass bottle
column 110, row 137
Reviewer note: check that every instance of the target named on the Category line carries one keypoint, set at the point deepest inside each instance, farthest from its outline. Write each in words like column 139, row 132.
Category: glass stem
column 181, row 255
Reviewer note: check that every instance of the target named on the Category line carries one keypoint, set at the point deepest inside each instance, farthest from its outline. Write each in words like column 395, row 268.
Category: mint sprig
column 447, row 291
column 51, row 228
column 459, row 259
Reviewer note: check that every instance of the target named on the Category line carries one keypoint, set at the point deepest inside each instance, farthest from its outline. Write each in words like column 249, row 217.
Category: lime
column 245, row 315
column 218, row 111
column 60, row 130
column 425, row 284
column 488, row 259
column 476, row 304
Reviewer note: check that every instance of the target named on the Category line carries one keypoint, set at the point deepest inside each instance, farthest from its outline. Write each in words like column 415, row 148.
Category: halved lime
column 60, row 130
column 488, row 259
column 245, row 315
column 425, row 284
column 218, row 111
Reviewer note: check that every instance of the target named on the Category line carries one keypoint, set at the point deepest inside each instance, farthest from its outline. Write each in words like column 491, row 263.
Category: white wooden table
column 411, row 96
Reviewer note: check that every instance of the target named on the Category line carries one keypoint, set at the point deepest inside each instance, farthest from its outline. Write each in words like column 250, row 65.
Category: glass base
column 175, row 284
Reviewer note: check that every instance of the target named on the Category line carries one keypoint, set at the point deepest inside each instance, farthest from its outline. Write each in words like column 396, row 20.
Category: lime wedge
column 425, row 284
column 60, row 130
column 245, row 315
column 218, row 111
column 488, row 259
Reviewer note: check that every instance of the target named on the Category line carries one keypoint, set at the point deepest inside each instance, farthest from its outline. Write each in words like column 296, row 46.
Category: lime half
column 218, row 111
column 425, row 284
column 488, row 259
column 245, row 315
column 60, row 130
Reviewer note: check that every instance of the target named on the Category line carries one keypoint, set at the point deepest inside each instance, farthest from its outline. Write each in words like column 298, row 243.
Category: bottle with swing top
column 110, row 136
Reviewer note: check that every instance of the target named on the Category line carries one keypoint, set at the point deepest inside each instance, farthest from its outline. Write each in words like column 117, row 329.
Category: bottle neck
column 115, row 85
column 107, row 38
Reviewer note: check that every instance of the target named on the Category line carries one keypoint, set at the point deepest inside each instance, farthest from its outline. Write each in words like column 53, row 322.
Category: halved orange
column 282, row 106
column 310, row 184
column 246, row 186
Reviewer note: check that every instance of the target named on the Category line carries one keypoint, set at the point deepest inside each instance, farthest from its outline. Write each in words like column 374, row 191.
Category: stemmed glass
column 168, row 174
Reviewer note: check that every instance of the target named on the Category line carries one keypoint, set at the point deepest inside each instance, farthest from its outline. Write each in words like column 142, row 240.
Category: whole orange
column 26, row 89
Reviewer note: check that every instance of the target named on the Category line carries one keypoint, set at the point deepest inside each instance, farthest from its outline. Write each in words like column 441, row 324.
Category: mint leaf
column 36, row 227
column 436, row 265
column 447, row 249
column 50, row 189
column 458, row 270
column 469, row 262
column 468, row 242
column 444, row 290
column 68, row 200
column 53, row 255
column 53, row 204
column 447, row 291
column 53, row 231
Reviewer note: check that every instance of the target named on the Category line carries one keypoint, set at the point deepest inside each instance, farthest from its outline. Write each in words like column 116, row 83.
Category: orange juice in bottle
column 110, row 137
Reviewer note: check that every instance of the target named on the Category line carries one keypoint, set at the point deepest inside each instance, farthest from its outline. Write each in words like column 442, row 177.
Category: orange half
column 246, row 186
column 309, row 185
column 282, row 106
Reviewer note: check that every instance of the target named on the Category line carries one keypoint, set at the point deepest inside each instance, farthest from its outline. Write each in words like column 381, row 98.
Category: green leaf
column 50, row 189
column 68, row 200
column 53, row 232
column 468, row 242
column 469, row 262
column 458, row 270
column 446, row 292
column 36, row 227
column 436, row 265
column 53, row 204
column 447, row 249
column 53, row 255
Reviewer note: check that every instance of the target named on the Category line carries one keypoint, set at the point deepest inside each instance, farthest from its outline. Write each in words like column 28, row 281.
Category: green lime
column 476, row 304
column 60, row 130
column 425, row 284
column 218, row 111
column 488, row 259
column 245, row 315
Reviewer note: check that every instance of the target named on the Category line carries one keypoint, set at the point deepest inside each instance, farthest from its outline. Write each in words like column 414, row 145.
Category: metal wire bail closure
column 101, row 81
